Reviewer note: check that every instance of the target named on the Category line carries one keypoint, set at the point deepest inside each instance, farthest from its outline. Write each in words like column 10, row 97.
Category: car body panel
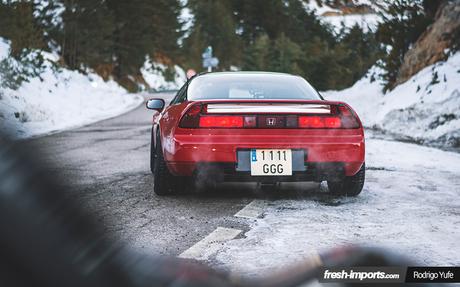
column 185, row 149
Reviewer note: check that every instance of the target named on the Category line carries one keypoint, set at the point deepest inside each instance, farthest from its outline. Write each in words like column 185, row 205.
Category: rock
column 432, row 45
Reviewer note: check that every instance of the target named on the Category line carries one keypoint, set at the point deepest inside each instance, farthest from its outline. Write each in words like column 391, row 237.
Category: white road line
column 256, row 208
column 253, row 210
column 209, row 245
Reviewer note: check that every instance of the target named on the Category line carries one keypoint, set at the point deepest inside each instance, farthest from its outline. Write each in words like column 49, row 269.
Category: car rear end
column 266, row 140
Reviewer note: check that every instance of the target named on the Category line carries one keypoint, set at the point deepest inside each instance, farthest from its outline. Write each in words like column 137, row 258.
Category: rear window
column 250, row 86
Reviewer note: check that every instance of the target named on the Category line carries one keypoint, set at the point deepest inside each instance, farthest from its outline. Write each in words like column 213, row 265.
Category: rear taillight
column 221, row 122
column 349, row 120
column 341, row 117
column 191, row 118
column 197, row 117
column 319, row 122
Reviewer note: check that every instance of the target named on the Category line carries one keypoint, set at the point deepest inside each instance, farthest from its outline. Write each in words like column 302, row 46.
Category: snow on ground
column 409, row 204
column 60, row 100
column 368, row 22
column 312, row 5
column 153, row 74
column 186, row 18
column 425, row 109
column 375, row 5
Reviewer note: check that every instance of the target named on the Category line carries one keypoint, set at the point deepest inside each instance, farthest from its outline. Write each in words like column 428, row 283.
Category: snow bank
column 154, row 75
column 61, row 99
column 425, row 109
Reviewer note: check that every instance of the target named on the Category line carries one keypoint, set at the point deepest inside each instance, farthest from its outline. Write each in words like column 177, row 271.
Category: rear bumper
column 227, row 172
column 328, row 153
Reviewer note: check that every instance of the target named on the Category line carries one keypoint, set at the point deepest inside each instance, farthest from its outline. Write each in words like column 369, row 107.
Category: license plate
column 271, row 162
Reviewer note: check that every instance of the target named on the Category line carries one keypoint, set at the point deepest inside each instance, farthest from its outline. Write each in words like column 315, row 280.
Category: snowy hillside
column 425, row 109
column 367, row 22
column 339, row 17
column 324, row 7
column 61, row 99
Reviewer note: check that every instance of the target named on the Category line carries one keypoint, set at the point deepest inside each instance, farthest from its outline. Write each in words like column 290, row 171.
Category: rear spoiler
column 268, row 106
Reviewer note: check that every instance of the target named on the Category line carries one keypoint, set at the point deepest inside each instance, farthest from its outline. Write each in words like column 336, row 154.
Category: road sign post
column 209, row 61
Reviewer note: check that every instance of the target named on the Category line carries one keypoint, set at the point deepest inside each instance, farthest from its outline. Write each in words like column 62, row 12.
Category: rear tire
column 164, row 183
column 350, row 185
column 152, row 152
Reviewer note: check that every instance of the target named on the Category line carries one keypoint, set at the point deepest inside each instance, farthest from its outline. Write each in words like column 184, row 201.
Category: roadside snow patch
column 424, row 109
column 59, row 99
column 409, row 204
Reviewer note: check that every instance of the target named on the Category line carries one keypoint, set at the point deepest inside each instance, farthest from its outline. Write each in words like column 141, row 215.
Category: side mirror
column 155, row 104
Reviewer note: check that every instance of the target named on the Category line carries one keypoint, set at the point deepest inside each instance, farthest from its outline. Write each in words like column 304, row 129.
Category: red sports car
column 255, row 126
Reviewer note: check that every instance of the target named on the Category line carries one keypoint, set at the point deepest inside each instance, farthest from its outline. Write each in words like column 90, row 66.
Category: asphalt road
column 105, row 167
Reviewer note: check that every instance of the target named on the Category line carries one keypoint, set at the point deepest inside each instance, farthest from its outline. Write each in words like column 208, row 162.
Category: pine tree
column 258, row 17
column 363, row 52
column 301, row 24
column 214, row 26
column 166, row 27
column 17, row 23
column 86, row 39
column 404, row 21
column 256, row 57
column 133, row 34
column 48, row 16
column 316, row 53
column 284, row 55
